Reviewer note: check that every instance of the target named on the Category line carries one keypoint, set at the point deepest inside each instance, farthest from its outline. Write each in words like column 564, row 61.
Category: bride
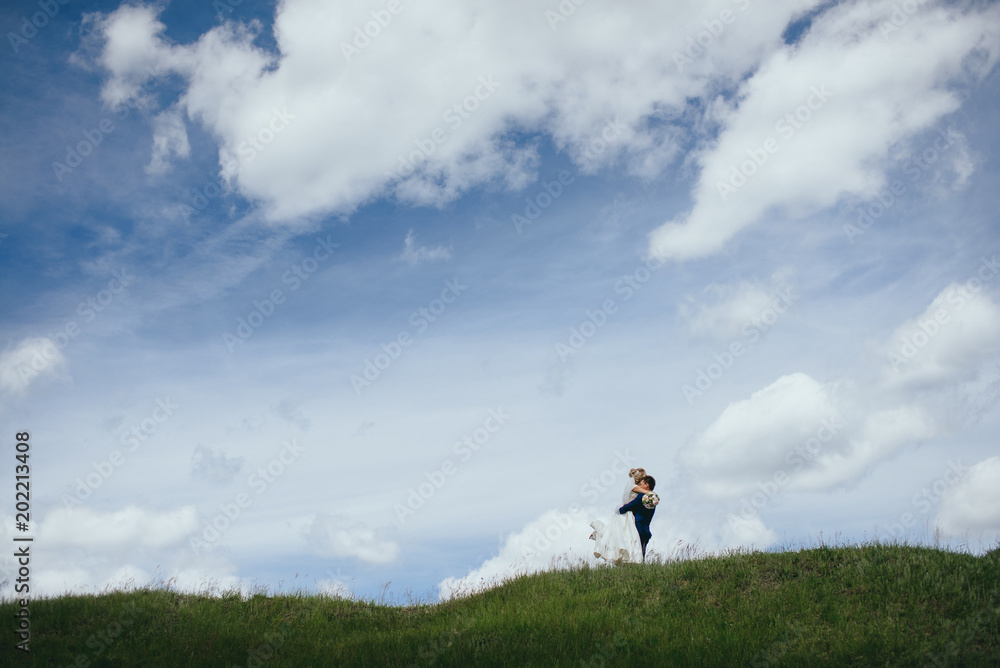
column 616, row 538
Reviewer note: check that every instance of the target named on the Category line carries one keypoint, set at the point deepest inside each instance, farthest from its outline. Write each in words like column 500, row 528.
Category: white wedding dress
column 616, row 538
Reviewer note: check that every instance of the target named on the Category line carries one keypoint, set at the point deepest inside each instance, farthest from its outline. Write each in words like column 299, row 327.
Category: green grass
column 874, row 605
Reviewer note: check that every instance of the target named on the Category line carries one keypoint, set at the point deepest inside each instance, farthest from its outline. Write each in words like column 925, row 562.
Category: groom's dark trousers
column 643, row 516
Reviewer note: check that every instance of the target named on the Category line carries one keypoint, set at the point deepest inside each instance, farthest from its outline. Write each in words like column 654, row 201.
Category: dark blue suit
column 643, row 516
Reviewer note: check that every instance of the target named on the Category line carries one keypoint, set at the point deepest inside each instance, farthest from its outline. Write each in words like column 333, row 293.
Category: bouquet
column 650, row 500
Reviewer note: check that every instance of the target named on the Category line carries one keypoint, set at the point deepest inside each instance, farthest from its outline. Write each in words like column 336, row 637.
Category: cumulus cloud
column 817, row 120
column 29, row 361
column 333, row 536
column 972, row 505
column 127, row 40
column 560, row 539
column 949, row 341
column 332, row 120
column 767, row 432
column 555, row 538
column 804, row 434
column 414, row 254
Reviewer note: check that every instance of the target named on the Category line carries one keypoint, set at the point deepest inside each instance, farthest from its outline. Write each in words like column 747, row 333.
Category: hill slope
column 871, row 605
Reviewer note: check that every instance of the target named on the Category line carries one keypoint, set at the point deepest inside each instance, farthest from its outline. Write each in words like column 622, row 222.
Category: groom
column 641, row 513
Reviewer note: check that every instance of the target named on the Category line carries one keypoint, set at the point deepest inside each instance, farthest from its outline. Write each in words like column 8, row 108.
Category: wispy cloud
column 414, row 254
column 817, row 120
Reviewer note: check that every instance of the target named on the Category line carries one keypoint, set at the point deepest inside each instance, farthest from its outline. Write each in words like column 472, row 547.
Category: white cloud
column 817, row 120
column 732, row 307
column 748, row 532
column 169, row 139
column 560, row 539
column 879, row 435
column 335, row 128
column 948, row 342
column 88, row 551
column 802, row 433
column 334, row 589
column 754, row 437
column 553, row 539
column 972, row 505
column 30, row 360
column 117, row 531
column 130, row 50
column 414, row 254
column 337, row 537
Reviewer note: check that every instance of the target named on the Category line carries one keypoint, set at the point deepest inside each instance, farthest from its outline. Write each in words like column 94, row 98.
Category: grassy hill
column 874, row 605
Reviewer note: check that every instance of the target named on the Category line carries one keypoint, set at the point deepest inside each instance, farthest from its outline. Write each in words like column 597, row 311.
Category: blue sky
column 286, row 302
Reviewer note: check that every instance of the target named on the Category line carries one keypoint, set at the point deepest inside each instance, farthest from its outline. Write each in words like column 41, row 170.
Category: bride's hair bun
column 636, row 473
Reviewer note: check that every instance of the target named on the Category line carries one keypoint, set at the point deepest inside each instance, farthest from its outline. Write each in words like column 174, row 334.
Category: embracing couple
column 623, row 537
